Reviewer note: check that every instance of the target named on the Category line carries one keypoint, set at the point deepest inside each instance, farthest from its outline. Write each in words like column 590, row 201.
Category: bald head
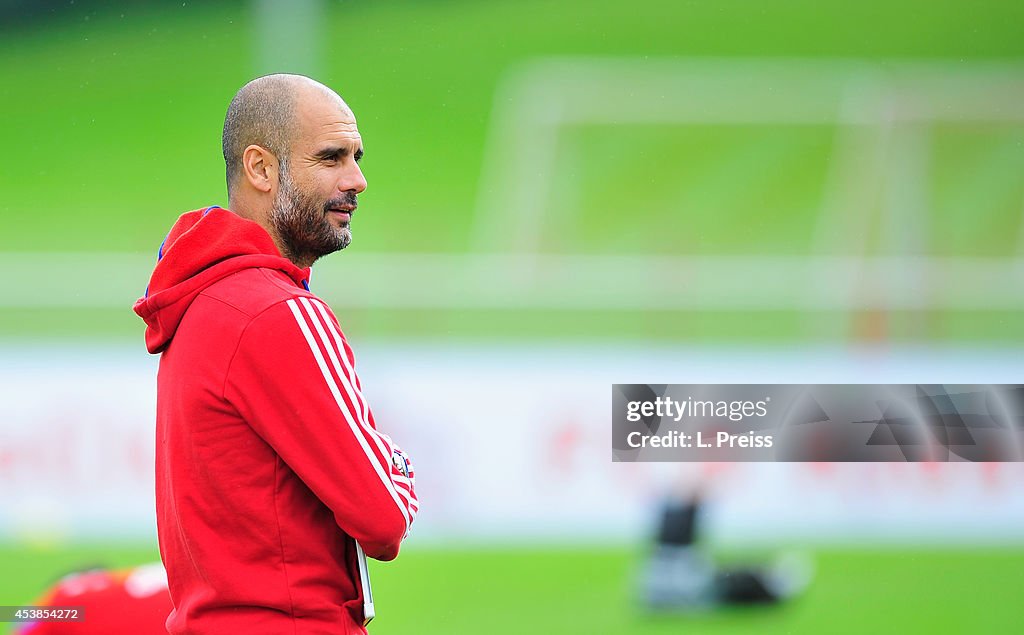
column 264, row 113
column 292, row 150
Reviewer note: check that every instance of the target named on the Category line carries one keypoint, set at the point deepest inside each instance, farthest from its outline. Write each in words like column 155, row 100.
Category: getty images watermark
column 764, row 422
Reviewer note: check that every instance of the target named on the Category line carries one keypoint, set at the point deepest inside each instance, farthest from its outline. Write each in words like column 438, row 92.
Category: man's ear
column 260, row 167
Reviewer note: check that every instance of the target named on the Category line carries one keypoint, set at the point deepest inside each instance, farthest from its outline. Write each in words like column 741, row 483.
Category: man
column 270, row 470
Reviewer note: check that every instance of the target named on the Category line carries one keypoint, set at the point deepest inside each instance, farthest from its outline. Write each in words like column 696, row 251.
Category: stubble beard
column 302, row 225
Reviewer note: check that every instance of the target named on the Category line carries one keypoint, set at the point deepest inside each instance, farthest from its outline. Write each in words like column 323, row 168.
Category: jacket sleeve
column 293, row 379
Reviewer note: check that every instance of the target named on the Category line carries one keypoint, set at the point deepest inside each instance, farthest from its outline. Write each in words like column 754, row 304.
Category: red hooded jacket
column 268, row 462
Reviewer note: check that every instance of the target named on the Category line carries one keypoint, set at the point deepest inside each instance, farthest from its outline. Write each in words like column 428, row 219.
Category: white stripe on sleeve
column 353, row 391
column 347, row 376
column 356, row 432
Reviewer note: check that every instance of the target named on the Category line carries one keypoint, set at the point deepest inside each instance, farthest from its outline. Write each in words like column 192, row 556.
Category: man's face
column 316, row 197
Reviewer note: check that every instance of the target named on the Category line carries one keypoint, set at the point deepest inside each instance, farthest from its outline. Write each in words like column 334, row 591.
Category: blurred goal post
column 881, row 113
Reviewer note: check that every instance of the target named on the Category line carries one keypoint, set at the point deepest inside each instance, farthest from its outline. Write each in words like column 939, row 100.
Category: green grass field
column 138, row 96
column 113, row 116
column 588, row 591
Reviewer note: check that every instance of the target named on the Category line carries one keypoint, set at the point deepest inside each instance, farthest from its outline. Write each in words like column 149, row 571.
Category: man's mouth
column 343, row 212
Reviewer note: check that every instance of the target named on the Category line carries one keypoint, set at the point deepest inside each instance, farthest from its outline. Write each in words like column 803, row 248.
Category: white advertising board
column 512, row 443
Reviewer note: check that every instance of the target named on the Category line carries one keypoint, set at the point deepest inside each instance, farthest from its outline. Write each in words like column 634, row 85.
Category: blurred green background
column 111, row 116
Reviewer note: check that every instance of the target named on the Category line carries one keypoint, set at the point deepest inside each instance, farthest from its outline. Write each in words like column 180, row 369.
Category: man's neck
column 246, row 210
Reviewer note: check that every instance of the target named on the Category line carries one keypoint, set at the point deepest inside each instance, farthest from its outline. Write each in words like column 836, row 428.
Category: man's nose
column 353, row 180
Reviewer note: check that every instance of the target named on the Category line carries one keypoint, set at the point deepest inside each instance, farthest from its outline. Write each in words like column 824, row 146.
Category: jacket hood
column 202, row 247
